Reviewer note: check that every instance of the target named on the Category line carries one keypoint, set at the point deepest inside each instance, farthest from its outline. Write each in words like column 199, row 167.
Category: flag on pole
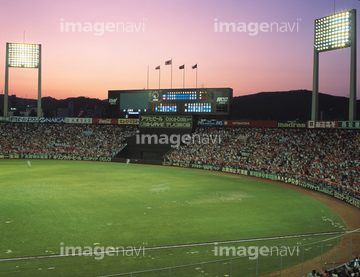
column 157, row 68
column 194, row 66
column 182, row 66
column 168, row 62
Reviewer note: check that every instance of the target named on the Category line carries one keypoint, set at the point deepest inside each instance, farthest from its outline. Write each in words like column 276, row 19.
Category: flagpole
column 159, row 77
column 196, row 75
column 147, row 81
column 184, row 78
column 171, row 73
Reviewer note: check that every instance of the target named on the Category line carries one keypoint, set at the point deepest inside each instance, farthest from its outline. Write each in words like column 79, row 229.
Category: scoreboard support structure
column 157, row 135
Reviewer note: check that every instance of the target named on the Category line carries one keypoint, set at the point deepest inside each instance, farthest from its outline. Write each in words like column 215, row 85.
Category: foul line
column 167, row 247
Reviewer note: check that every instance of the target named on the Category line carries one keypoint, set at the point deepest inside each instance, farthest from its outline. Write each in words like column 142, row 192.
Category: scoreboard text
column 184, row 122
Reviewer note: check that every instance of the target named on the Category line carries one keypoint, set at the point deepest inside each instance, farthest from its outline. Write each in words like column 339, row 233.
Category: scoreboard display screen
column 202, row 101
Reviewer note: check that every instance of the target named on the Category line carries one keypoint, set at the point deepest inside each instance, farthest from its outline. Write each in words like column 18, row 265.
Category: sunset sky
column 115, row 41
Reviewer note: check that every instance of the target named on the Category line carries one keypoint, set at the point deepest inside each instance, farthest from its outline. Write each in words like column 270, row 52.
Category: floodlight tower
column 335, row 32
column 22, row 55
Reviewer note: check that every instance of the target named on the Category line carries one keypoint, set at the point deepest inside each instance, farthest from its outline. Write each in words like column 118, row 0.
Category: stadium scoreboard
column 204, row 101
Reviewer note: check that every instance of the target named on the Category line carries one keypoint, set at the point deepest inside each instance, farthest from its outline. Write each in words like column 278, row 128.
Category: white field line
column 88, row 253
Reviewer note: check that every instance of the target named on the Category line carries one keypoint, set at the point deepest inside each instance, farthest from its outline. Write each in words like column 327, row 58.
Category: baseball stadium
column 178, row 193
column 171, row 181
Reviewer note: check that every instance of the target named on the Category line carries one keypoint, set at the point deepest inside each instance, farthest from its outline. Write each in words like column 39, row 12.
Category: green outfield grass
column 109, row 204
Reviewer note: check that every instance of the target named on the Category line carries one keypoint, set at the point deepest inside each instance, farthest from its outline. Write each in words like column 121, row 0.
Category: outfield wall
column 56, row 157
column 327, row 187
column 311, row 124
column 71, row 120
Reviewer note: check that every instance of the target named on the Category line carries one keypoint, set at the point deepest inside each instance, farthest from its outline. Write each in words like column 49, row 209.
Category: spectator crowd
column 326, row 154
column 63, row 139
column 351, row 269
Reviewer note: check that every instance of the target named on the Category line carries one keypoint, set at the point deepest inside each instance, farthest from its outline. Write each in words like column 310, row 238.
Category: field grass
column 56, row 203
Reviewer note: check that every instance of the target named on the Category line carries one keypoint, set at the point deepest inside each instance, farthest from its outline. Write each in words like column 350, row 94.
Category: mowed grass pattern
column 109, row 204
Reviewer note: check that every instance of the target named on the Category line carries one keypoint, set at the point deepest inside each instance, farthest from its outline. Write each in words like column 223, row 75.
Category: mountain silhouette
column 278, row 105
column 289, row 105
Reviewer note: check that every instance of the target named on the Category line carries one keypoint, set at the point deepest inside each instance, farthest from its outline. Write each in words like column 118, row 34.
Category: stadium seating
column 332, row 155
column 63, row 139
